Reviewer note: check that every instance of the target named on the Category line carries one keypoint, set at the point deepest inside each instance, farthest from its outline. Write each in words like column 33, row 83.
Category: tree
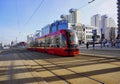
column 112, row 34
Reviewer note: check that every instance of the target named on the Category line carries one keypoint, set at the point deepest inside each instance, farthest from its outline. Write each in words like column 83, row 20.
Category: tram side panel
column 57, row 43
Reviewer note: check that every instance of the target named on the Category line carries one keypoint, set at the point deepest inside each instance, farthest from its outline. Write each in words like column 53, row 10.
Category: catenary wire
column 34, row 12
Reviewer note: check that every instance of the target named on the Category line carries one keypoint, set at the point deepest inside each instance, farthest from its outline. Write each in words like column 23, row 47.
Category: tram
column 63, row 42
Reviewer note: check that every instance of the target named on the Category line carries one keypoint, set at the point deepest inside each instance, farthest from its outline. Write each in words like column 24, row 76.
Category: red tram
column 63, row 42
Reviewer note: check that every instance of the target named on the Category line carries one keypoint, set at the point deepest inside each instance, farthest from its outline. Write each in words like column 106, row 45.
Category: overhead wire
column 86, row 4
column 42, row 3
column 34, row 12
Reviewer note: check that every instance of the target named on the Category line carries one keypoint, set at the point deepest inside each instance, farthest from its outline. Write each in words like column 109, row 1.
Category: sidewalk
column 98, row 47
column 111, row 52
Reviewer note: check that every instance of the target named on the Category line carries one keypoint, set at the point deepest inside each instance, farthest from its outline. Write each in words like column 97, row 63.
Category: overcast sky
column 18, row 18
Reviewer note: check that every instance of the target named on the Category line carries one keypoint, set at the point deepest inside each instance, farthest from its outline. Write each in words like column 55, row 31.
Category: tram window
column 39, row 43
column 52, row 41
column 63, row 40
column 72, row 39
column 57, row 41
column 71, row 35
column 48, row 41
column 35, row 44
column 42, row 43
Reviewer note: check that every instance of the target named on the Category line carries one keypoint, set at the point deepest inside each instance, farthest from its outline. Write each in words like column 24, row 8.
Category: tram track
column 29, row 58
column 52, row 69
column 62, row 67
column 95, row 59
column 103, row 59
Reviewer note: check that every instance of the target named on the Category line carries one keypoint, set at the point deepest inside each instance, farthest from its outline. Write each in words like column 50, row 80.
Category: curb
column 100, row 49
column 102, row 56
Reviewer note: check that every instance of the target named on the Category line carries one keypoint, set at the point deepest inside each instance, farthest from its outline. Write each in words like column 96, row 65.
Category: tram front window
column 72, row 39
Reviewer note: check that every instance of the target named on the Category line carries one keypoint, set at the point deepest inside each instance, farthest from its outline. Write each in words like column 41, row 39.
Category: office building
column 104, row 25
column 73, row 17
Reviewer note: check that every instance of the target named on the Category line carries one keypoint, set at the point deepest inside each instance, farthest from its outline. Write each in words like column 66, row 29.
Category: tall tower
column 103, row 24
column 96, row 21
column 73, row 17
column 118, row 6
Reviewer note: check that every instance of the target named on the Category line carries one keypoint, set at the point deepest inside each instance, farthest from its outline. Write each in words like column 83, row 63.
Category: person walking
column 87, row 45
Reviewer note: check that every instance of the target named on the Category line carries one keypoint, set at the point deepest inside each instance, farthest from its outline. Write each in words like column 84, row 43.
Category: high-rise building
column 96, row 21
column 104, row 24
column 118, row 6
column 73, row 17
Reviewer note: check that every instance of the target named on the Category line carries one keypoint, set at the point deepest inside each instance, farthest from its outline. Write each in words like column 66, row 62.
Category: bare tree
column 112, row 35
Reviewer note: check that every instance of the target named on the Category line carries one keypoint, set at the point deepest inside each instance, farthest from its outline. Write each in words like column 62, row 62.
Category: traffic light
column 94, row 37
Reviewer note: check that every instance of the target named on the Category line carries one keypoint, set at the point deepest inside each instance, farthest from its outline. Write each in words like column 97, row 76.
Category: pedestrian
column 107, row 44
column 87, row 45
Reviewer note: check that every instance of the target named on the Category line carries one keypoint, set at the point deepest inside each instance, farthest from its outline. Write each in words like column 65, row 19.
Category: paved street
column 26, row 67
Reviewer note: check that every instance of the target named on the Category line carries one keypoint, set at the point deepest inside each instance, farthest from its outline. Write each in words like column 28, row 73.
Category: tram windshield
column 72, row 39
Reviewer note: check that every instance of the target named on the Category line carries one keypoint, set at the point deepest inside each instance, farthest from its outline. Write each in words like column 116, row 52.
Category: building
column 118, row 6
column 73, row 17
column 96, row 21
column 103, row 24
column 107, row 24
column 88, row 33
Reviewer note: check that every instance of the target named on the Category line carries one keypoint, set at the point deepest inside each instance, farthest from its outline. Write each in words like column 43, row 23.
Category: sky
column 19, row 18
